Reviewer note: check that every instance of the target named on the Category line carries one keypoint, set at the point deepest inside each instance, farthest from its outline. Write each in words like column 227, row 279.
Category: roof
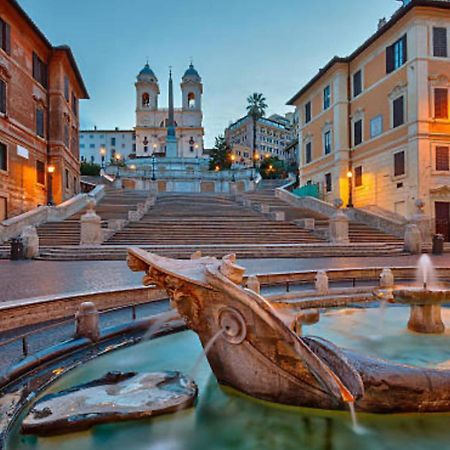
column 399, row 14
column 147, row 72
column 191, row 72
column 264, row 120
column 61, row 48
column 106, row 131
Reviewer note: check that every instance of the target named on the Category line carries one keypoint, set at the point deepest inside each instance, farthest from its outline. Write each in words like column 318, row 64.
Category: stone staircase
column 115, row 205
column 265, row 201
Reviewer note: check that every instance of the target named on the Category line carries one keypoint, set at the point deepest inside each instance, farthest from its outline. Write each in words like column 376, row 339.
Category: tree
column 256, row 108
column 87, row 168
column 220, row 155
column 272, row 168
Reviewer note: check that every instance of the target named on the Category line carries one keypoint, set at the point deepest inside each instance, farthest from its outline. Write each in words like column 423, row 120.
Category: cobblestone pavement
column 25, row 279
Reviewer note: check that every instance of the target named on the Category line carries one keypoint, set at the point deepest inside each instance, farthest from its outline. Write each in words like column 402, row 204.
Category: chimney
column 382, row 22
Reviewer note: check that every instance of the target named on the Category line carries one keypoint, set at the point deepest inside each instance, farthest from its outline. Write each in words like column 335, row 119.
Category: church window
column 145, row 99
column 191, row 100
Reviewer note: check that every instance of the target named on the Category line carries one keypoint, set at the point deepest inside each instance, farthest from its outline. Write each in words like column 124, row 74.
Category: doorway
column 3, row 209
column 442, row 214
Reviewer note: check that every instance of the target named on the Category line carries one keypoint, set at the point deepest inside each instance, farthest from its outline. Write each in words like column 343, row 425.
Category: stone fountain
column 251, row 349
column 425, row 301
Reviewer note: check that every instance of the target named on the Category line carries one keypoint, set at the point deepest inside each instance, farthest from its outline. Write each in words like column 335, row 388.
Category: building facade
column 40, row 86
column 273, row 136
column 375, row 126
column 152, row 121
column 116, row 142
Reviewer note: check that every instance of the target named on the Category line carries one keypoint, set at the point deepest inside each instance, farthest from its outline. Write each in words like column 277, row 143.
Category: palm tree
column 256, row 108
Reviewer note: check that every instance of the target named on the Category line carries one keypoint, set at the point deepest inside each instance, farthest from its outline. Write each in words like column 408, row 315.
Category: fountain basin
column 255, row 352
column 412, row 296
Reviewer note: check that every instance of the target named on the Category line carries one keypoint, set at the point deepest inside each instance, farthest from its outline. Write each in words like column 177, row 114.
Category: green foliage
column 91, row 169
column 272, row 168
column 220, row 155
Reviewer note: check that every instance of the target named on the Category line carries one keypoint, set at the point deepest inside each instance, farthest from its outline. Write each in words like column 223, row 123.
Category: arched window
column 145, row 99
column 191, row 100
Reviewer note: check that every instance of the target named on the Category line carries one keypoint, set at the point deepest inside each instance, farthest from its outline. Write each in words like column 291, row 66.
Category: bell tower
column 192, row 90
column 147, row 90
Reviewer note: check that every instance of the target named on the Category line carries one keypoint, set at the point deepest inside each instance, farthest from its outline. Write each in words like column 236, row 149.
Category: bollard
column 87, row 322
column 386, row 279
column 321, row 282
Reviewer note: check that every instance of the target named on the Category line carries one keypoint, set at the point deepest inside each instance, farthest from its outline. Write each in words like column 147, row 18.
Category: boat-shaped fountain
column 251, row 349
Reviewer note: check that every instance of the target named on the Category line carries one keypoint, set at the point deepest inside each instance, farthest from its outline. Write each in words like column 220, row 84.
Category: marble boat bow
column 256, row 353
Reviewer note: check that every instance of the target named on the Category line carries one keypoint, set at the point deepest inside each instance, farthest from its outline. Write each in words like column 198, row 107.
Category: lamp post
column 103, row 155
column 233, row 176
column 118, row 157
column 50, row 172
column 350, row 189
column 153, row 166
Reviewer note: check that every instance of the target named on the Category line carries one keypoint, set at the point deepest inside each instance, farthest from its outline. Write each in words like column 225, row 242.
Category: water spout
column 425, row 273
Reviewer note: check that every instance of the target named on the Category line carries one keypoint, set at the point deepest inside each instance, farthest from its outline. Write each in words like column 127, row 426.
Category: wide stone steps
column 114, row 205
column 257, row 251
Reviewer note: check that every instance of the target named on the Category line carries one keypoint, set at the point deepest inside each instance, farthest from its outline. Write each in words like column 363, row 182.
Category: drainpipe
column 350, row 134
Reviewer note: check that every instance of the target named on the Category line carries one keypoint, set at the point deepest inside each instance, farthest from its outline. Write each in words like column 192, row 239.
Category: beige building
column 382, row 116
column 273, row 135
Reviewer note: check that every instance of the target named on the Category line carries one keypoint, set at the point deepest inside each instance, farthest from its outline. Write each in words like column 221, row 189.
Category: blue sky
column 238, row 47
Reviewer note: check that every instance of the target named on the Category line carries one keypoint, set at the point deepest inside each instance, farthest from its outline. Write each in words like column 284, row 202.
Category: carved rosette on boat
column 251, row 349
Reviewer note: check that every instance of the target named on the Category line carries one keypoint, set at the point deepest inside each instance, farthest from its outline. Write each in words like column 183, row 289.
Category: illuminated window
column 441, row 103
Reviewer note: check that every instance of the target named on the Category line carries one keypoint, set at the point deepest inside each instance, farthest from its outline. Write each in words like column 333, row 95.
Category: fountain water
column 426, row 275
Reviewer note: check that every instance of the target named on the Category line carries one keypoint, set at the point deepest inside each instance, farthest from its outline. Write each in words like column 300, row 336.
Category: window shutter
column 440, row 42
column 399, row 164
column 399, row 112
column 357, row 132
column 441, row 103
column 358, row 176
column 405, row 48
column 442, row 158
column 390, row 59
column 7, row 38
column 2, row 97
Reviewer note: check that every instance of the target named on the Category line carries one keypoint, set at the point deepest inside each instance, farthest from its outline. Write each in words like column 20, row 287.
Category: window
column 191, row 100
column 326, row 97
column 396, row 54
column 5, row 36
column 66, row 177
column 66, row 88
column 40, row 128
column 2, row 97
column 82, row 145
column 441, row 103
column 327, row 142
column 308, row 153
column 66, row 135
column 308, row 112
column 358, row 176
column 398, row 111
column 145, row 100
column 440, row 42
column 39, row 70
column 357, row 132
column 376, row 126
column 74, row 105
column 91, row 145
column 113, row 141
column 399, row 164
column 328, row 183
column 3, row 156
column 442, row 158
column 40, row 172
column 357, row 83
column 92, row 159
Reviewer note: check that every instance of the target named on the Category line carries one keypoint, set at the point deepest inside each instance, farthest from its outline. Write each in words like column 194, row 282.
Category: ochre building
column 40, row 86
column 374, row 126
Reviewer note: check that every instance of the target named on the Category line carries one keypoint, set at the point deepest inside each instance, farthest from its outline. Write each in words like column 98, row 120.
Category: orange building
column 375, row 126
column 40, row 86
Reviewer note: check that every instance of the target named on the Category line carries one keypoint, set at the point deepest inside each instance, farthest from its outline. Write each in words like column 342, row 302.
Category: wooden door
column 442, row 214
column 3, row 209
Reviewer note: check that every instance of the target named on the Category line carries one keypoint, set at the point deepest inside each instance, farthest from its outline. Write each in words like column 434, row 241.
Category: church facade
column 169, row 132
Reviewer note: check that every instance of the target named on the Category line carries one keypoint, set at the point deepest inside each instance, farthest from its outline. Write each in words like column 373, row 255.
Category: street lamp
column 153, row 166
column 50, row 171
column 350, row 189
column 103, row 155
column 118, row 157
column 233, row 159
